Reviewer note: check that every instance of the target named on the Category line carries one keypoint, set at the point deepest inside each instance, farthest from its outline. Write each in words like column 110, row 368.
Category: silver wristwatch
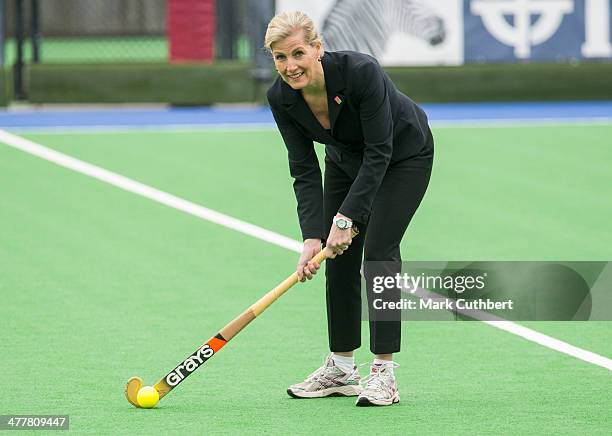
column 342, row 223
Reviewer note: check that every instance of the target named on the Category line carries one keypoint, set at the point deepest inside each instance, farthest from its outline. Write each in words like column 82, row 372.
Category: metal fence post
column 225, row 29
column 18, row 66
column 35, row 29
column 2, row 31
column 263, row 11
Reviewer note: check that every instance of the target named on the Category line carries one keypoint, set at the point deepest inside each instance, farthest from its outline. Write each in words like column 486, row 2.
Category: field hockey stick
column 214, row 344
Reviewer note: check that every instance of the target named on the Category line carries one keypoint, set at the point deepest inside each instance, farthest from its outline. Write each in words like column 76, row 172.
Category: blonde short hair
column 285, row 23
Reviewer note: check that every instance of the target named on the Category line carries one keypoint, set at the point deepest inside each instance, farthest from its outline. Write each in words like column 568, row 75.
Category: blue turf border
column 160, row 117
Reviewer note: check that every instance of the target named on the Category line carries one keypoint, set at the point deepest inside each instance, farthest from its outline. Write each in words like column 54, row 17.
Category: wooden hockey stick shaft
column 214, row 344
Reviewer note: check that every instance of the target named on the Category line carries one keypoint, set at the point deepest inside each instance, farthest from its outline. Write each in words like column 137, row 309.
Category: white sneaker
column 328, row 381
column 379, row 388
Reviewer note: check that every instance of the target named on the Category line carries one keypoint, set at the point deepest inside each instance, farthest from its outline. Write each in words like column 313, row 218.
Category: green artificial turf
column 92, row 49
column 99, row 284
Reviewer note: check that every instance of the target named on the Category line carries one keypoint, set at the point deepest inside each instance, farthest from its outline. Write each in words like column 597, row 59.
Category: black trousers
column 397, row 200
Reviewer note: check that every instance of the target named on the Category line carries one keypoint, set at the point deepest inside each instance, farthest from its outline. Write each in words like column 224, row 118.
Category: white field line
column 255, row 231
column 549, row 342
column 262, row 127
column 220, row 127
column 517, row 329
column 148, row 191
column 521, row 122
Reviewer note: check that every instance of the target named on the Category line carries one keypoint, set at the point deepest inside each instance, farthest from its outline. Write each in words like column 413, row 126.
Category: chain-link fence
column 126, row 31
column 2, row 32
column 85, row 31
column 235, row 28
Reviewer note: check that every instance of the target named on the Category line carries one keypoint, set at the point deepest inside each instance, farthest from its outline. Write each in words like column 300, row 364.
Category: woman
column 378, row 158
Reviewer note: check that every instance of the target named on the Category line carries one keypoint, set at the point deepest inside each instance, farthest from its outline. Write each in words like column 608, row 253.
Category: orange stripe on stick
column 216, row 344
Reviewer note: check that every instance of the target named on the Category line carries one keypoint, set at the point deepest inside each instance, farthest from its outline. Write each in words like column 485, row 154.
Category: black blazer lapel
column 336, row 100
column 299, row 110
column 334, row 83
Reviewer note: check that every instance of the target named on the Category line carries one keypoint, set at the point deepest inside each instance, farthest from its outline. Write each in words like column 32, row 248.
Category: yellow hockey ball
column 147, row 397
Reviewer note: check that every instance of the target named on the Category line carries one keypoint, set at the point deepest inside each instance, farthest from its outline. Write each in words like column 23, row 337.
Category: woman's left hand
column 339, row 240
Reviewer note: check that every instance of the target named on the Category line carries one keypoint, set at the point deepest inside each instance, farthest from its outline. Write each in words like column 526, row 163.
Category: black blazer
column 373, row 125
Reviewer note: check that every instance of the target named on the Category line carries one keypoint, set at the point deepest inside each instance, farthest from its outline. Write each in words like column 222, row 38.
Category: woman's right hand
column 306, row 268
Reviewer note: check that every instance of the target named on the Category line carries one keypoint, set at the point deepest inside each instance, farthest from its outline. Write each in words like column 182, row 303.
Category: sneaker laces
column 380, row 379
column 319, row 374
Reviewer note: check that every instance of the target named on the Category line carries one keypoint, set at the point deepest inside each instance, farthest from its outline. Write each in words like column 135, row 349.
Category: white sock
column 388, row 364
column 346, row 364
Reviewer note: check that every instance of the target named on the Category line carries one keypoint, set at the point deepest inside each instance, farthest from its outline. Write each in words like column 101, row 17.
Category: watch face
column 342, row 223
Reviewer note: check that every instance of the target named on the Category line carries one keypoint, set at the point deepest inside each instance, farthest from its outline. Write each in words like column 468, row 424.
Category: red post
column 191, row 30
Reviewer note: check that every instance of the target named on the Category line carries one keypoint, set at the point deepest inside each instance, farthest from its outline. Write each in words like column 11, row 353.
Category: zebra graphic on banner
column 367, row 25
